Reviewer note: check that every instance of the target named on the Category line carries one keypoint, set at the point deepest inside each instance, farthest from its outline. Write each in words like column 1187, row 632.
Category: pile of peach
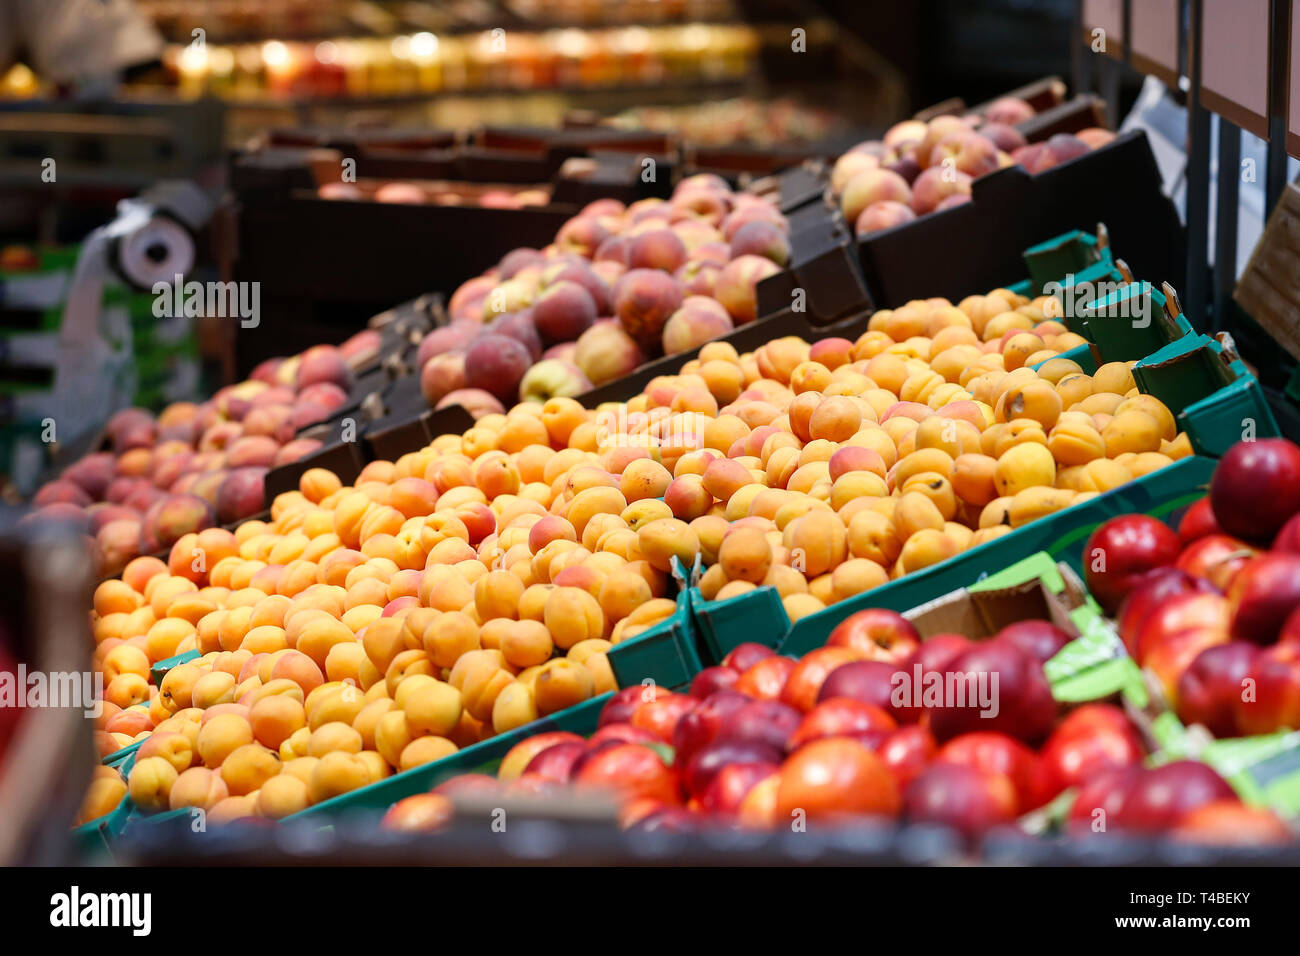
column 921, row 167
column 196, row 465
column 618, row 286
column 468, row 588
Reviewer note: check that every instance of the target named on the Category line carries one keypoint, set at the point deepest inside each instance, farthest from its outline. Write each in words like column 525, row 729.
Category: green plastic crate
column 1073, row 253
column 1130, row 323
column 1210, row 391
column 656, row 651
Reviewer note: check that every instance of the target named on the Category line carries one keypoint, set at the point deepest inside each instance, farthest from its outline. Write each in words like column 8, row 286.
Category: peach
column 872, row 186
column 150, row 783
column 936, row 185
column 737, row 285
column 660, row 249
column 697, row 321
column 881, row 215
column 442, row 375
column 240, row 494
column 643, row 300
column 606, row 352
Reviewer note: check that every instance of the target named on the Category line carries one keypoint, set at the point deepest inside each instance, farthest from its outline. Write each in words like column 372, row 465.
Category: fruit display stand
column 1206, row 409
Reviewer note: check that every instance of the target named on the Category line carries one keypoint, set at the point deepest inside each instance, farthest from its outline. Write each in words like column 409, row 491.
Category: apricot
column 1131, row 430
column 799, row 606
column 452, row 635
column 220, row 736
column 817, row 542
column 197, row 787
column 915, row 511
column 924, row 548
column 102, row 797
column 424, row 750
column 174, row 747
column 1024, row 466
column 248, row 767
column 150, row 783
column 572, row 615
column 281, row 796
column 667, row 538
column 335, row 774
column 1102, row 475
column 1036, row 400
column 527, row 643
column 856, row 576
column 1033, row 503
column 745, row 555
column 1075, row 442
column 1114, row 377
column 561, row 683
column 332, row 736
column 125, row 659
column 434, row 708
column 274, row 719
column 126, row 690
column 1156, row 409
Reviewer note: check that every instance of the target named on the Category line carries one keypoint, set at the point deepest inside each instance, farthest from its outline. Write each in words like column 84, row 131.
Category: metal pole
column 1279, row 45
column 1225, row 223
column 1198, row 179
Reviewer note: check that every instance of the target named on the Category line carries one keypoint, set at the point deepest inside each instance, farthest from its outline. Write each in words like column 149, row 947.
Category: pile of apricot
column 477, row 584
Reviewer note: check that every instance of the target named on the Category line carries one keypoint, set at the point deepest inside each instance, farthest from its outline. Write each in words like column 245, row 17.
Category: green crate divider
column 1178, row 375
column 1117, row 335
column 758, row 615
column 118, row 757
column 159, row 670
column 1070, row 253
column 668, row 654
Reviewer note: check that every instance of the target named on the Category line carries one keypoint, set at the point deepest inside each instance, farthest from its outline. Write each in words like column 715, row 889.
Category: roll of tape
column 158, row 251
